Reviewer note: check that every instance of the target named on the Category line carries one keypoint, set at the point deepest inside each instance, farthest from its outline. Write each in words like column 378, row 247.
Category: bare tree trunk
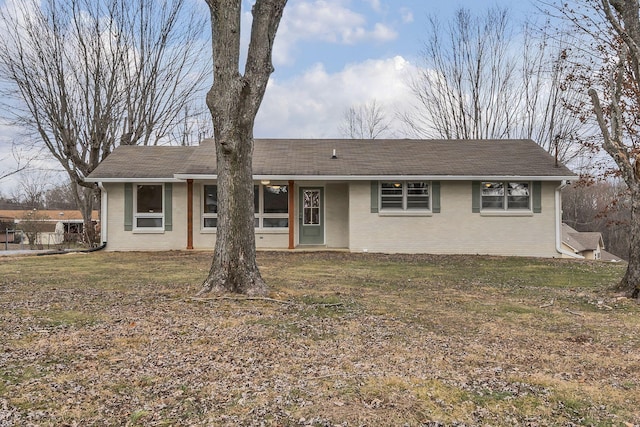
column 613, row 132
column 630, row 283
column 234, row 267
column 234, row 100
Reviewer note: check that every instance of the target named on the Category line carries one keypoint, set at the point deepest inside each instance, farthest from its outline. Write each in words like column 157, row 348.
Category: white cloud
column 406, row 14
column 327, row 21
column 313, row 104
column 375, row 5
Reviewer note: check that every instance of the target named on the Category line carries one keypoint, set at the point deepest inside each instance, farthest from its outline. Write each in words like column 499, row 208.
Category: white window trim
column 260, row 215
column 505, row 211
column 204, row 215
column 404, row 211
column 137, row 215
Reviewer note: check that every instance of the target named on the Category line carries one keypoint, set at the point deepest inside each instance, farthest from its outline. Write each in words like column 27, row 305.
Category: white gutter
column 180, row 176
column 101, row 180
column 103, row 213
column 559, row 224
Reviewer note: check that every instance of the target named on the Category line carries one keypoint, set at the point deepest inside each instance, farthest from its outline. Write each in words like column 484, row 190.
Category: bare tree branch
column 86, row 76
column 482, row 79
column 365, row 121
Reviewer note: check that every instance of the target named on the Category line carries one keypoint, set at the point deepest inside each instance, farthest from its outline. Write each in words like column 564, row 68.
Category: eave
column 183, row 177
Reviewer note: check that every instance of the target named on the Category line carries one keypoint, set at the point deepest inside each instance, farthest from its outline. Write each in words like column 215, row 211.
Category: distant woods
column 602, row 206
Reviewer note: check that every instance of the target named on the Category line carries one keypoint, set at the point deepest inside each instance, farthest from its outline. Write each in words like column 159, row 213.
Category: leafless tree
column 194, row 127
column 365, row 121
column 600, row 205
column 608, row 33
column 618, row 118
column 20, row 158
column 84, row 76
column 31, row 189
column 483, row 78
column 61, row 196
column 32, row 224
column 234, row 100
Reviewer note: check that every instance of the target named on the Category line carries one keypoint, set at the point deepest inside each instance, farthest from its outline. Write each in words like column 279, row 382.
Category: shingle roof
column 132, row 161
column 313, row 157
column 581, row 240
column 50, row 214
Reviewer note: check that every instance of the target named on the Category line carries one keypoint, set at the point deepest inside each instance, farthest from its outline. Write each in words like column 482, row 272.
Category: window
column 505, row 196
column 274, row 212
column 271, row 204
column 404, row 195
column 311, row 207
column 148, row 206
column 210, row 205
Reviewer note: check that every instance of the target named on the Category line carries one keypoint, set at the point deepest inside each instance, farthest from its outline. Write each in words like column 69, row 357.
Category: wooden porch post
column 291, row 215
column 189, row 214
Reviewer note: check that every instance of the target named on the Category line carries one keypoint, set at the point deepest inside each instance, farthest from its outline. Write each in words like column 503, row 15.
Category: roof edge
column 183, row 177
column 168, row 179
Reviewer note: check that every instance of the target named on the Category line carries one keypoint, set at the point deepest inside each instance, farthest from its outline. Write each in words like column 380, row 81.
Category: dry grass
column 378, row 340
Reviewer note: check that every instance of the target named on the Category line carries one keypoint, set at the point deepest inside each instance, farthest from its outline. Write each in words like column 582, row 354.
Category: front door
column 311, row 217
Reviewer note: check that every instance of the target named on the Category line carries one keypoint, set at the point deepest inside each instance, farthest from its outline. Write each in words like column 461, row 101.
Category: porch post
column 292, row 222
column 189, row 213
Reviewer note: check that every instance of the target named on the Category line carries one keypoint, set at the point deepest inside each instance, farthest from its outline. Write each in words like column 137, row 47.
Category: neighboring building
column 499, row 197
column 586, row 244
column 53, row 225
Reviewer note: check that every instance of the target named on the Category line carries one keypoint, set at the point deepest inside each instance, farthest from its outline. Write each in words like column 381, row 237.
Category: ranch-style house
column 496, row 197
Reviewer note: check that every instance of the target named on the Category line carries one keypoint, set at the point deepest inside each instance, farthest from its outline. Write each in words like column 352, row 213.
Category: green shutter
column 475, row 196
column 168, row 215
column 435, row 197
column 374, row 196
column 128, row 206
column 536, row 194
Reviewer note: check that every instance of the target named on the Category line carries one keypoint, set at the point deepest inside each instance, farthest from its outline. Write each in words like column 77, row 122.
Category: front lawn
column 116, row 339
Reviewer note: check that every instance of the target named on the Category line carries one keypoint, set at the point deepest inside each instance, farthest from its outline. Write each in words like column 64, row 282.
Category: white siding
column 337, row 215
column 455, row 230
column 120, row 240
column 351, row 224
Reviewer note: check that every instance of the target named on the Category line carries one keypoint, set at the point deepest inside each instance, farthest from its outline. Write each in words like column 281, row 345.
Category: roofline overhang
column 576, row 250
column 168, row 179
column 183, row 177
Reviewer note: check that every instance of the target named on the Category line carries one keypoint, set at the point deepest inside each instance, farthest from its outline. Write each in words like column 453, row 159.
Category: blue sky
column 330, row 55
column 339, row 32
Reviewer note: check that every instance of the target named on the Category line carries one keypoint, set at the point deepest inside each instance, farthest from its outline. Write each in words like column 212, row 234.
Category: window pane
column 391, row 203
column 210, row 199
column 418, row 202
column 391, row 195
column 391, row 188
column 518, row 195
column 417, row 188
column 417, row 195
column 311, row 207
column 492, row 195
column 275, row 222
column 149, row 198
column 210, row 222
column 149, row 222
column 256, row 199
column 276, row 199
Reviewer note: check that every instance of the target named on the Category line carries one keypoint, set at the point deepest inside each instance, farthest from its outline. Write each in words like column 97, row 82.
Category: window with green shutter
column 496, row 196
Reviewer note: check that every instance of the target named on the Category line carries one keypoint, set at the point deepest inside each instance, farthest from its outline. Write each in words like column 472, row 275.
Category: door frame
column 322, row 223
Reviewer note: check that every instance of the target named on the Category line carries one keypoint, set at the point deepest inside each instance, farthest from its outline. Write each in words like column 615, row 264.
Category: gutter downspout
column 103, row 214
column 559, row 223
